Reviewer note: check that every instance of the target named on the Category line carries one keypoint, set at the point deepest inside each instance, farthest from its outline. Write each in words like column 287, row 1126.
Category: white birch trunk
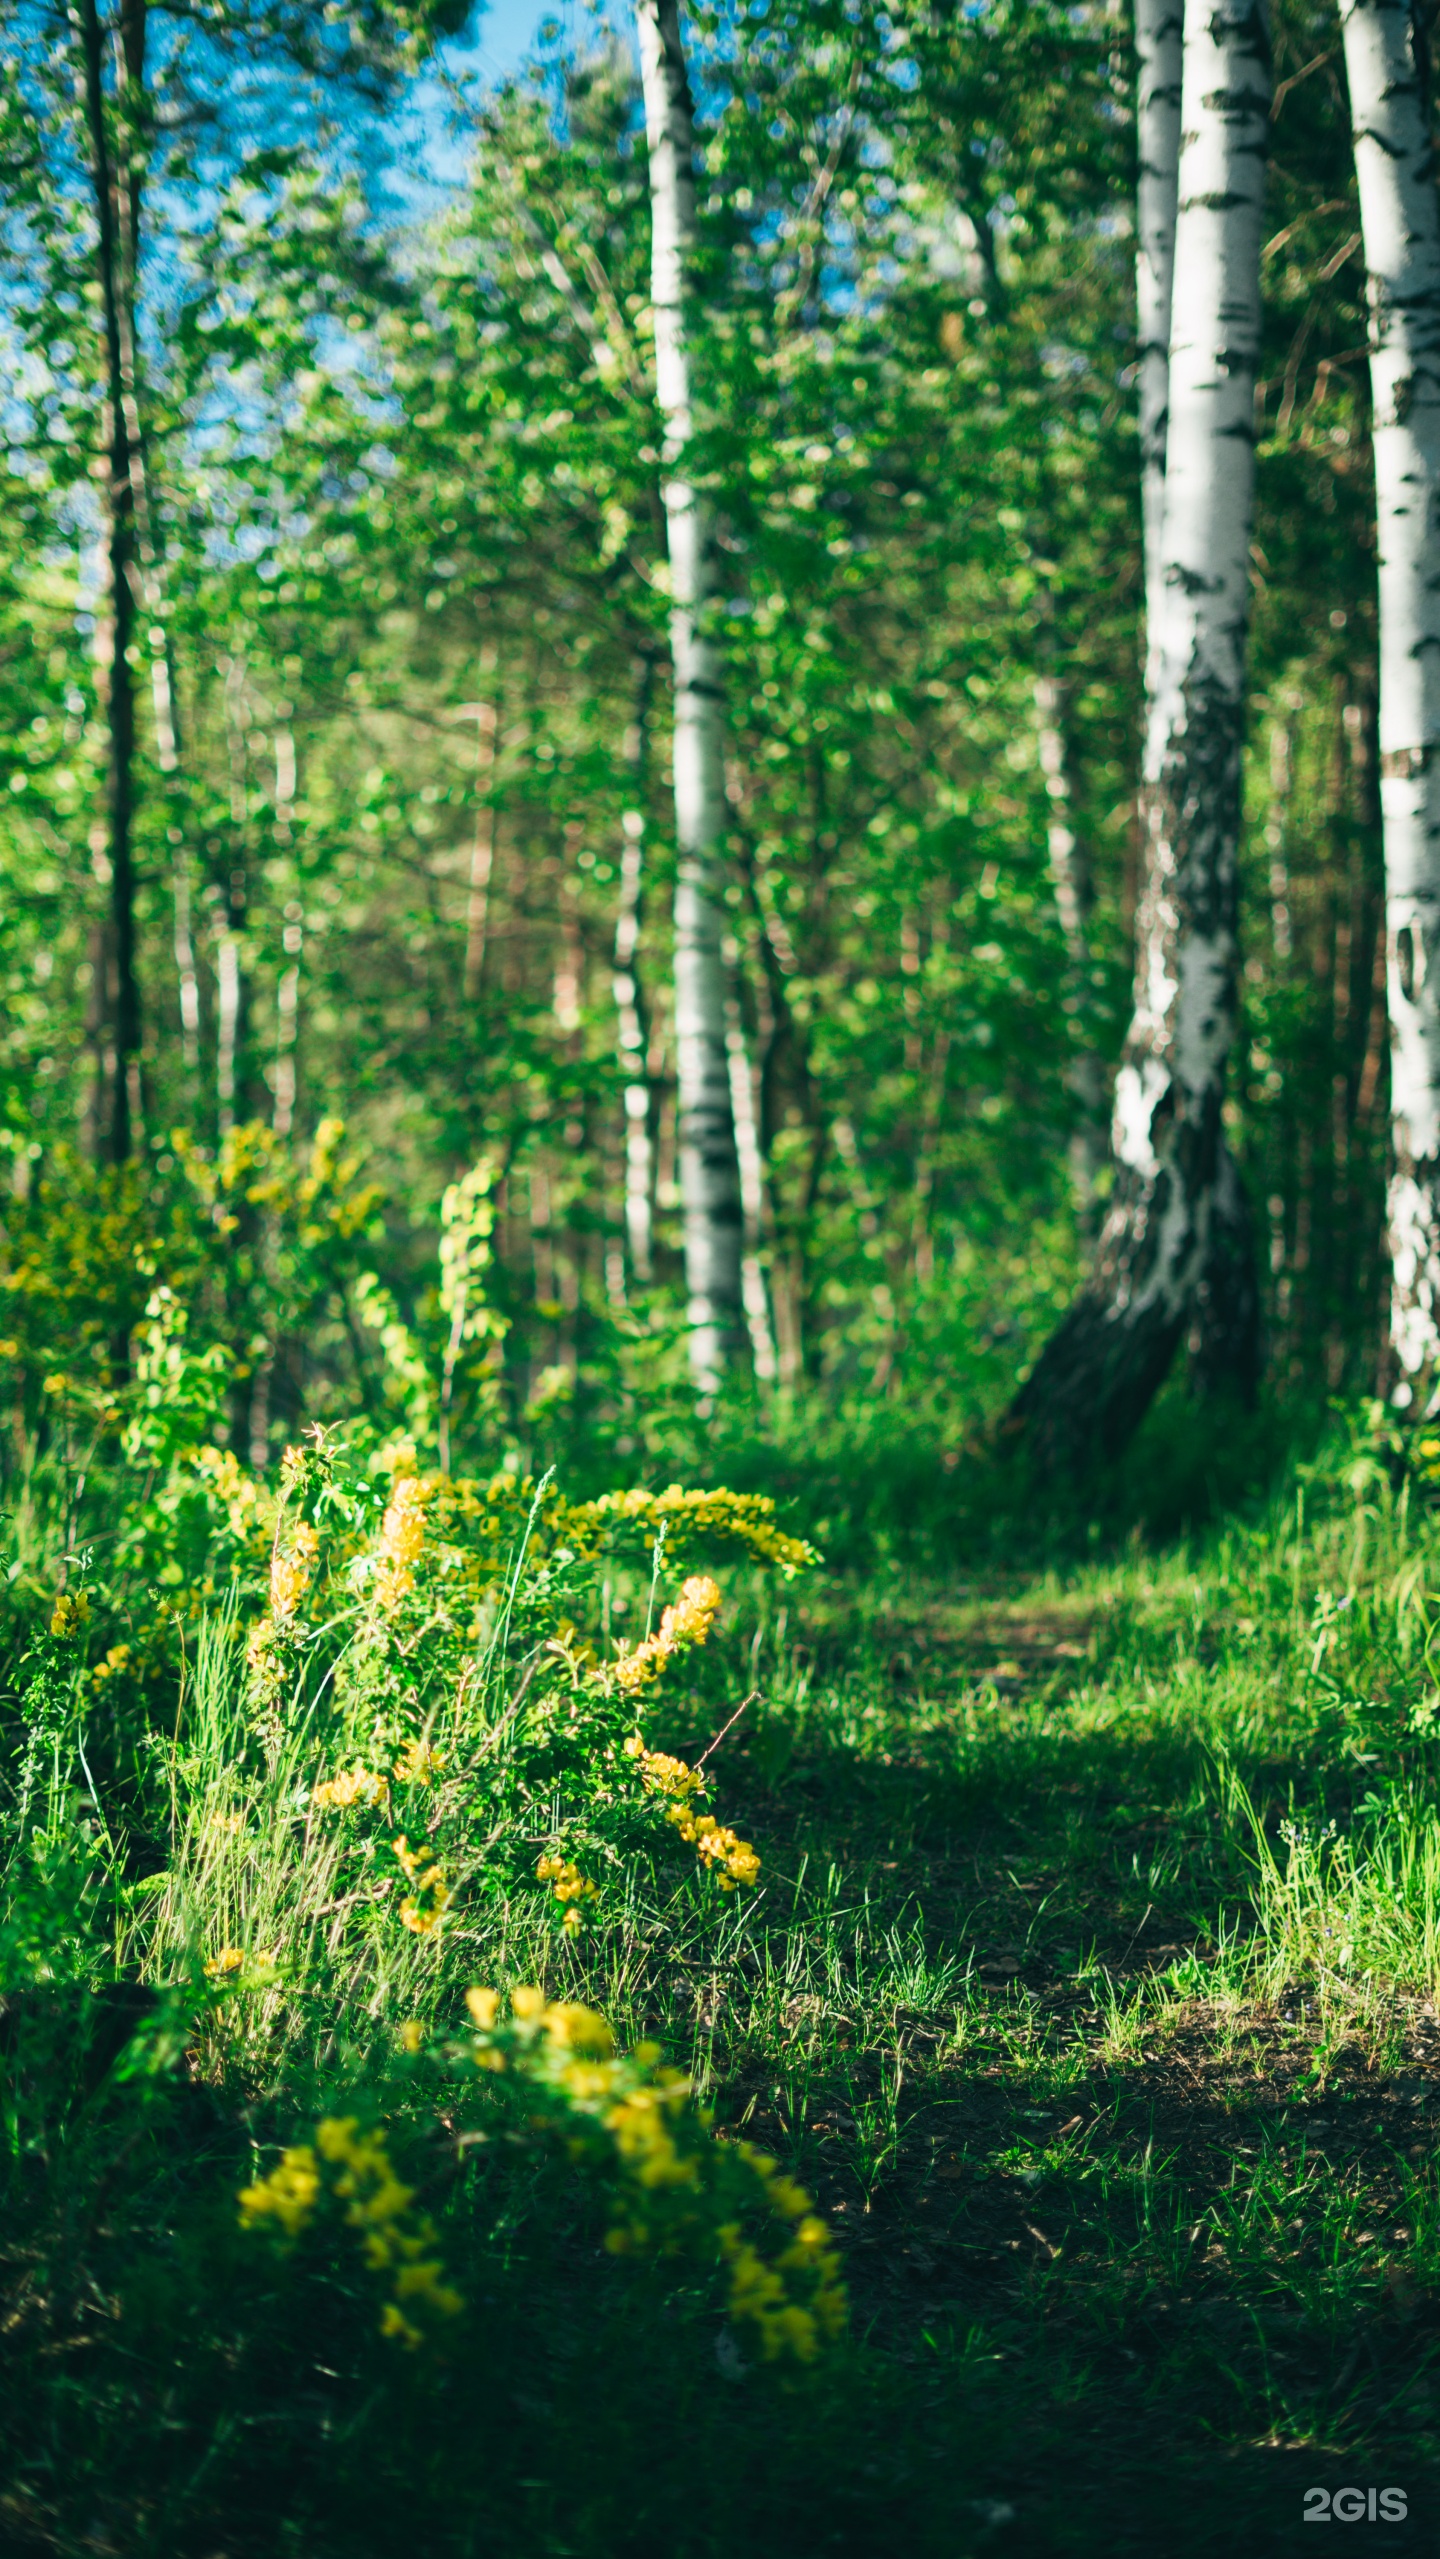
column 1385, row 62
column 1163, row 1238
column 709, row 1173
column 1071, row 880
column 752, row 1182
column 629, row 1017
column 1159, row 50
column 635, row 1088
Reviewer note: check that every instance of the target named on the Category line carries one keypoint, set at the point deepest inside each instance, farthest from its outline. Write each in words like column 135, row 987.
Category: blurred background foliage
column 405, row 585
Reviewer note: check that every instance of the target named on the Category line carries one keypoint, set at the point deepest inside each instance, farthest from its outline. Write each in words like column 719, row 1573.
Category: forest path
column 1170, row 2211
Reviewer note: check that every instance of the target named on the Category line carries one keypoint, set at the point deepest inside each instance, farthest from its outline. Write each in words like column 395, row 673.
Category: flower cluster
column 402, row 1540
column 425, row 1905
column 288, row 2195
column 292, row 1563
column 357, row 1785
column 662, row 1775
column 398, row 2243
column 721, row 1849
column 70, row 1613
column 568, row 1886
column 762, row 2292
column 687, row 1621
column 676, row 2188
column 689, row 1519
column 717, row 1847
column 418, row 1764
column 234, row 1969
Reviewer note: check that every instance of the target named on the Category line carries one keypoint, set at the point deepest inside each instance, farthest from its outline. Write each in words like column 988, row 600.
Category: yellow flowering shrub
column 673, row 2187
column 452, row 1694
column 346, row 2166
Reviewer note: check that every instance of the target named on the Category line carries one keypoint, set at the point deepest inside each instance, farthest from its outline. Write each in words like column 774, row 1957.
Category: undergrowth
column 1071, row 2009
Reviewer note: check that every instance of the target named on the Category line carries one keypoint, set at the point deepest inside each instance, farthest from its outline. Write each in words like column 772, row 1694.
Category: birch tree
column 1386, row 66
column 1225, row 1337
column 1158, row 49
column 1099, row 1371
column 709, row 1167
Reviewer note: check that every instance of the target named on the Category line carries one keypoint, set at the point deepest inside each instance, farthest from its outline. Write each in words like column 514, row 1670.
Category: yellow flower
column 567, row 1883
column 483, row 2005
column 693, row 1615
column 402, row 1536
column 229, row 1960
column 745, row 1518
column 355, row 1785
column 418, row 1764
column 69, row 1613
column 288, row 2195
column 422, row 1910
column 290, row 1570
column 721, row 1849
column 688, row 1621
column 580, row 2030
column 662, row 1775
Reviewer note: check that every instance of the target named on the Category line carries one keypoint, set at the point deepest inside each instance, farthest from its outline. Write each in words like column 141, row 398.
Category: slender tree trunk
column 230, row 1012
column 629, row 1009
column 709, row 1169
column 1072, row 881
column 1159, row 29
column 1386, row 63
column 482, row 848
column 115, row 273
column 1177, row 1228
column 1225, row 1333
column 752, row 1179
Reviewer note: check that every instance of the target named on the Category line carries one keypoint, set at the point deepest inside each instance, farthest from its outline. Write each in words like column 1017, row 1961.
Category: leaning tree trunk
column 122, row 565
column 709, row 1170
column 1386, row 64
column 1099, row 1371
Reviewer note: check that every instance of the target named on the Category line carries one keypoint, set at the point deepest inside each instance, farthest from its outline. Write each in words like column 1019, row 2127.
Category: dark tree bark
column 116, row 262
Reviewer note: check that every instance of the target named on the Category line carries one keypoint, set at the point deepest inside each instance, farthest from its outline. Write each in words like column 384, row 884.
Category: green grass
column 1091, row 1990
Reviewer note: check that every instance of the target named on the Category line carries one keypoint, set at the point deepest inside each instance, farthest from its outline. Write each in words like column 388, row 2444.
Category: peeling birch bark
column 1171, row 1203
column 1386, row 65
column 709, row 1168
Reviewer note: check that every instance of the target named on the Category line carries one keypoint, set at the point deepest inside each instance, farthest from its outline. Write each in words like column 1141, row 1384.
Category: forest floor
column 1091, row 1991
column 1171, row 2194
